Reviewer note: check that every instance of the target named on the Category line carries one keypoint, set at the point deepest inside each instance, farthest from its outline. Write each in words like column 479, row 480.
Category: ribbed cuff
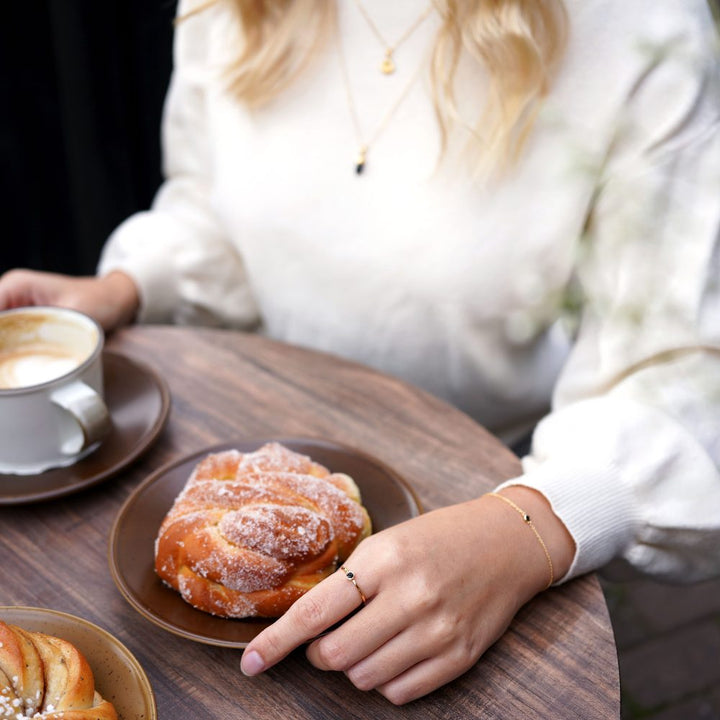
column 594, row 505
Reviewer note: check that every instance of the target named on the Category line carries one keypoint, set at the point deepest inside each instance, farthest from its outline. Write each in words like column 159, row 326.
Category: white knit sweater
column 462, row 286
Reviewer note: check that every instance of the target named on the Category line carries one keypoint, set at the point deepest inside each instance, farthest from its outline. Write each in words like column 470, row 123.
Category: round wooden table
column 557, row 660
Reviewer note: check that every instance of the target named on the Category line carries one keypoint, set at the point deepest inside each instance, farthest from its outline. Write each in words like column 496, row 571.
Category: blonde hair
column 519, row 43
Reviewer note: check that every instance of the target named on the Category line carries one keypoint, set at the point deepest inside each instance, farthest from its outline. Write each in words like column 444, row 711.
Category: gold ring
column 350, row 575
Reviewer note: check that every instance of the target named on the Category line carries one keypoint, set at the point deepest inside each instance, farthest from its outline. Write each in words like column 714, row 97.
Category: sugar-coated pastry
column 252, row 532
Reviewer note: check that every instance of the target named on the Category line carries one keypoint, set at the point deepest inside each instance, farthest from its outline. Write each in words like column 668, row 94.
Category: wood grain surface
column 558, row 659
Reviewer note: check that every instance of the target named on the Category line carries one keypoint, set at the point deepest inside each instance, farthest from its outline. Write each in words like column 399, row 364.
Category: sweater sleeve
column 629, row 455
column 186, row 269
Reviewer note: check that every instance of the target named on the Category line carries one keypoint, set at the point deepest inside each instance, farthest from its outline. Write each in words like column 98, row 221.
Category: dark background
column 82, row 84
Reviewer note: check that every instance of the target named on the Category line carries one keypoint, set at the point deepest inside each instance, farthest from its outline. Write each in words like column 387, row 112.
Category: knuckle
column 463, row 655
column 272, row 646
column 447, row 627
column 269, row 645
column 397, row 695
column 475, row 648
column 22, row 275
column 331, row 654
column 10, row 276
column 383, row 550
column 361, row 680
column 426, row 598
column 421, row 596
column 309, row 614
column 396, row 550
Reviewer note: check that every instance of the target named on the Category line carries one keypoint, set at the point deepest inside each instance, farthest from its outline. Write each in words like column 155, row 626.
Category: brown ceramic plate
column 119, row 677
column 139, row 403
column 387, row 497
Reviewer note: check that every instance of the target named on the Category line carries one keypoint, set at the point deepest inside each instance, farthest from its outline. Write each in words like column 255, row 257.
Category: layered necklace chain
column 363, row 143
column 387, row 66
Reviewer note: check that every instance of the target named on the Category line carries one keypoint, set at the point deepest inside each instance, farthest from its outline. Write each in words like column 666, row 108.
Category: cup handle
column 89, row 412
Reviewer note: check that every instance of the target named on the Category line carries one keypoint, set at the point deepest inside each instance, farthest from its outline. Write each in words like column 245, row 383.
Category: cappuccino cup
column 52, row 411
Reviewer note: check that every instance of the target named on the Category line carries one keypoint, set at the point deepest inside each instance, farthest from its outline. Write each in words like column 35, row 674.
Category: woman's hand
column 440, row 590
column 112, row 300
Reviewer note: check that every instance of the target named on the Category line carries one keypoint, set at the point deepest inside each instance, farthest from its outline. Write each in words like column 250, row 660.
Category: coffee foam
column 34, row 364
column 37, row 347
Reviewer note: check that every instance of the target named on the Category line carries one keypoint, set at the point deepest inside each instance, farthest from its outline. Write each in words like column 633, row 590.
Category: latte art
column 35, row 364
column 52, row 409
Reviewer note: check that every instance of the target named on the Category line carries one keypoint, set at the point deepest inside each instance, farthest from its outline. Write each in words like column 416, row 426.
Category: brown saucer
column 119, row 677
column 139, row 403
column 388, row 498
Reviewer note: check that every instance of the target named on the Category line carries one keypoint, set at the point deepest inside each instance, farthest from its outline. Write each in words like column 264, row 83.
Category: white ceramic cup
column 52, row 411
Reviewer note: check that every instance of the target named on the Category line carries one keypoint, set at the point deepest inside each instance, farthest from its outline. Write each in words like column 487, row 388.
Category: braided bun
column 46, row 678
column 250, row 533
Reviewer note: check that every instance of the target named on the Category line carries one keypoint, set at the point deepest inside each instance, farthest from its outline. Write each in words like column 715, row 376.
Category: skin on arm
column 112, row 300
column 440, row 588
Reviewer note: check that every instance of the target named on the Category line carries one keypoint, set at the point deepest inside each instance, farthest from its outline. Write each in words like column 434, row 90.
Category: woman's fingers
column 390, row 659
column 411, row 663
column 423, row 678
column 379, row 645
column 112, row 300
column 325, row 605
column 357, row 638
column 16, row 289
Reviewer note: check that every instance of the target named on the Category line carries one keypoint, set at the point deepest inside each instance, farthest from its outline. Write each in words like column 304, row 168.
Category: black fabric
column 82, row 84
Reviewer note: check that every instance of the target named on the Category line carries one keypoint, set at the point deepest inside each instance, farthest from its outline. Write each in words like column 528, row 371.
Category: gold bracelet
column 529, row 523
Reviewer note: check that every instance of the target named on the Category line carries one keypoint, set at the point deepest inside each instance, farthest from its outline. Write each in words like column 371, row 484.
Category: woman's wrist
column 122, row 299
column 548, row 544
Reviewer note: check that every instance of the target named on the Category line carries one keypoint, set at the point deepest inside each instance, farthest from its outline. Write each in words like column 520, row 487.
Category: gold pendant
column 387, row 66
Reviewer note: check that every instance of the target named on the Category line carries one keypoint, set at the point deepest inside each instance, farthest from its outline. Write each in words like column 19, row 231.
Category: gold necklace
column 364, row 145
column 387, row 66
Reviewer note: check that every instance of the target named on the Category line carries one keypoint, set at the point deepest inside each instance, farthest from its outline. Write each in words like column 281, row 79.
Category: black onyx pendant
column 360, row 162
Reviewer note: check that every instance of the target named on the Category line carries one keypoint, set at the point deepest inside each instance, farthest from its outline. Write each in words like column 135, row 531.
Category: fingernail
column 251, row 663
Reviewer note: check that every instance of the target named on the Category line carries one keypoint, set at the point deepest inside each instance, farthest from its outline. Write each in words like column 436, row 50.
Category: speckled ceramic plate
column 119, row 677
column 139, row 403
column 388, row 498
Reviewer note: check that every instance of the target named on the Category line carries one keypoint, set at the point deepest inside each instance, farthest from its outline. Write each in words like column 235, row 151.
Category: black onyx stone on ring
column 350, row 575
